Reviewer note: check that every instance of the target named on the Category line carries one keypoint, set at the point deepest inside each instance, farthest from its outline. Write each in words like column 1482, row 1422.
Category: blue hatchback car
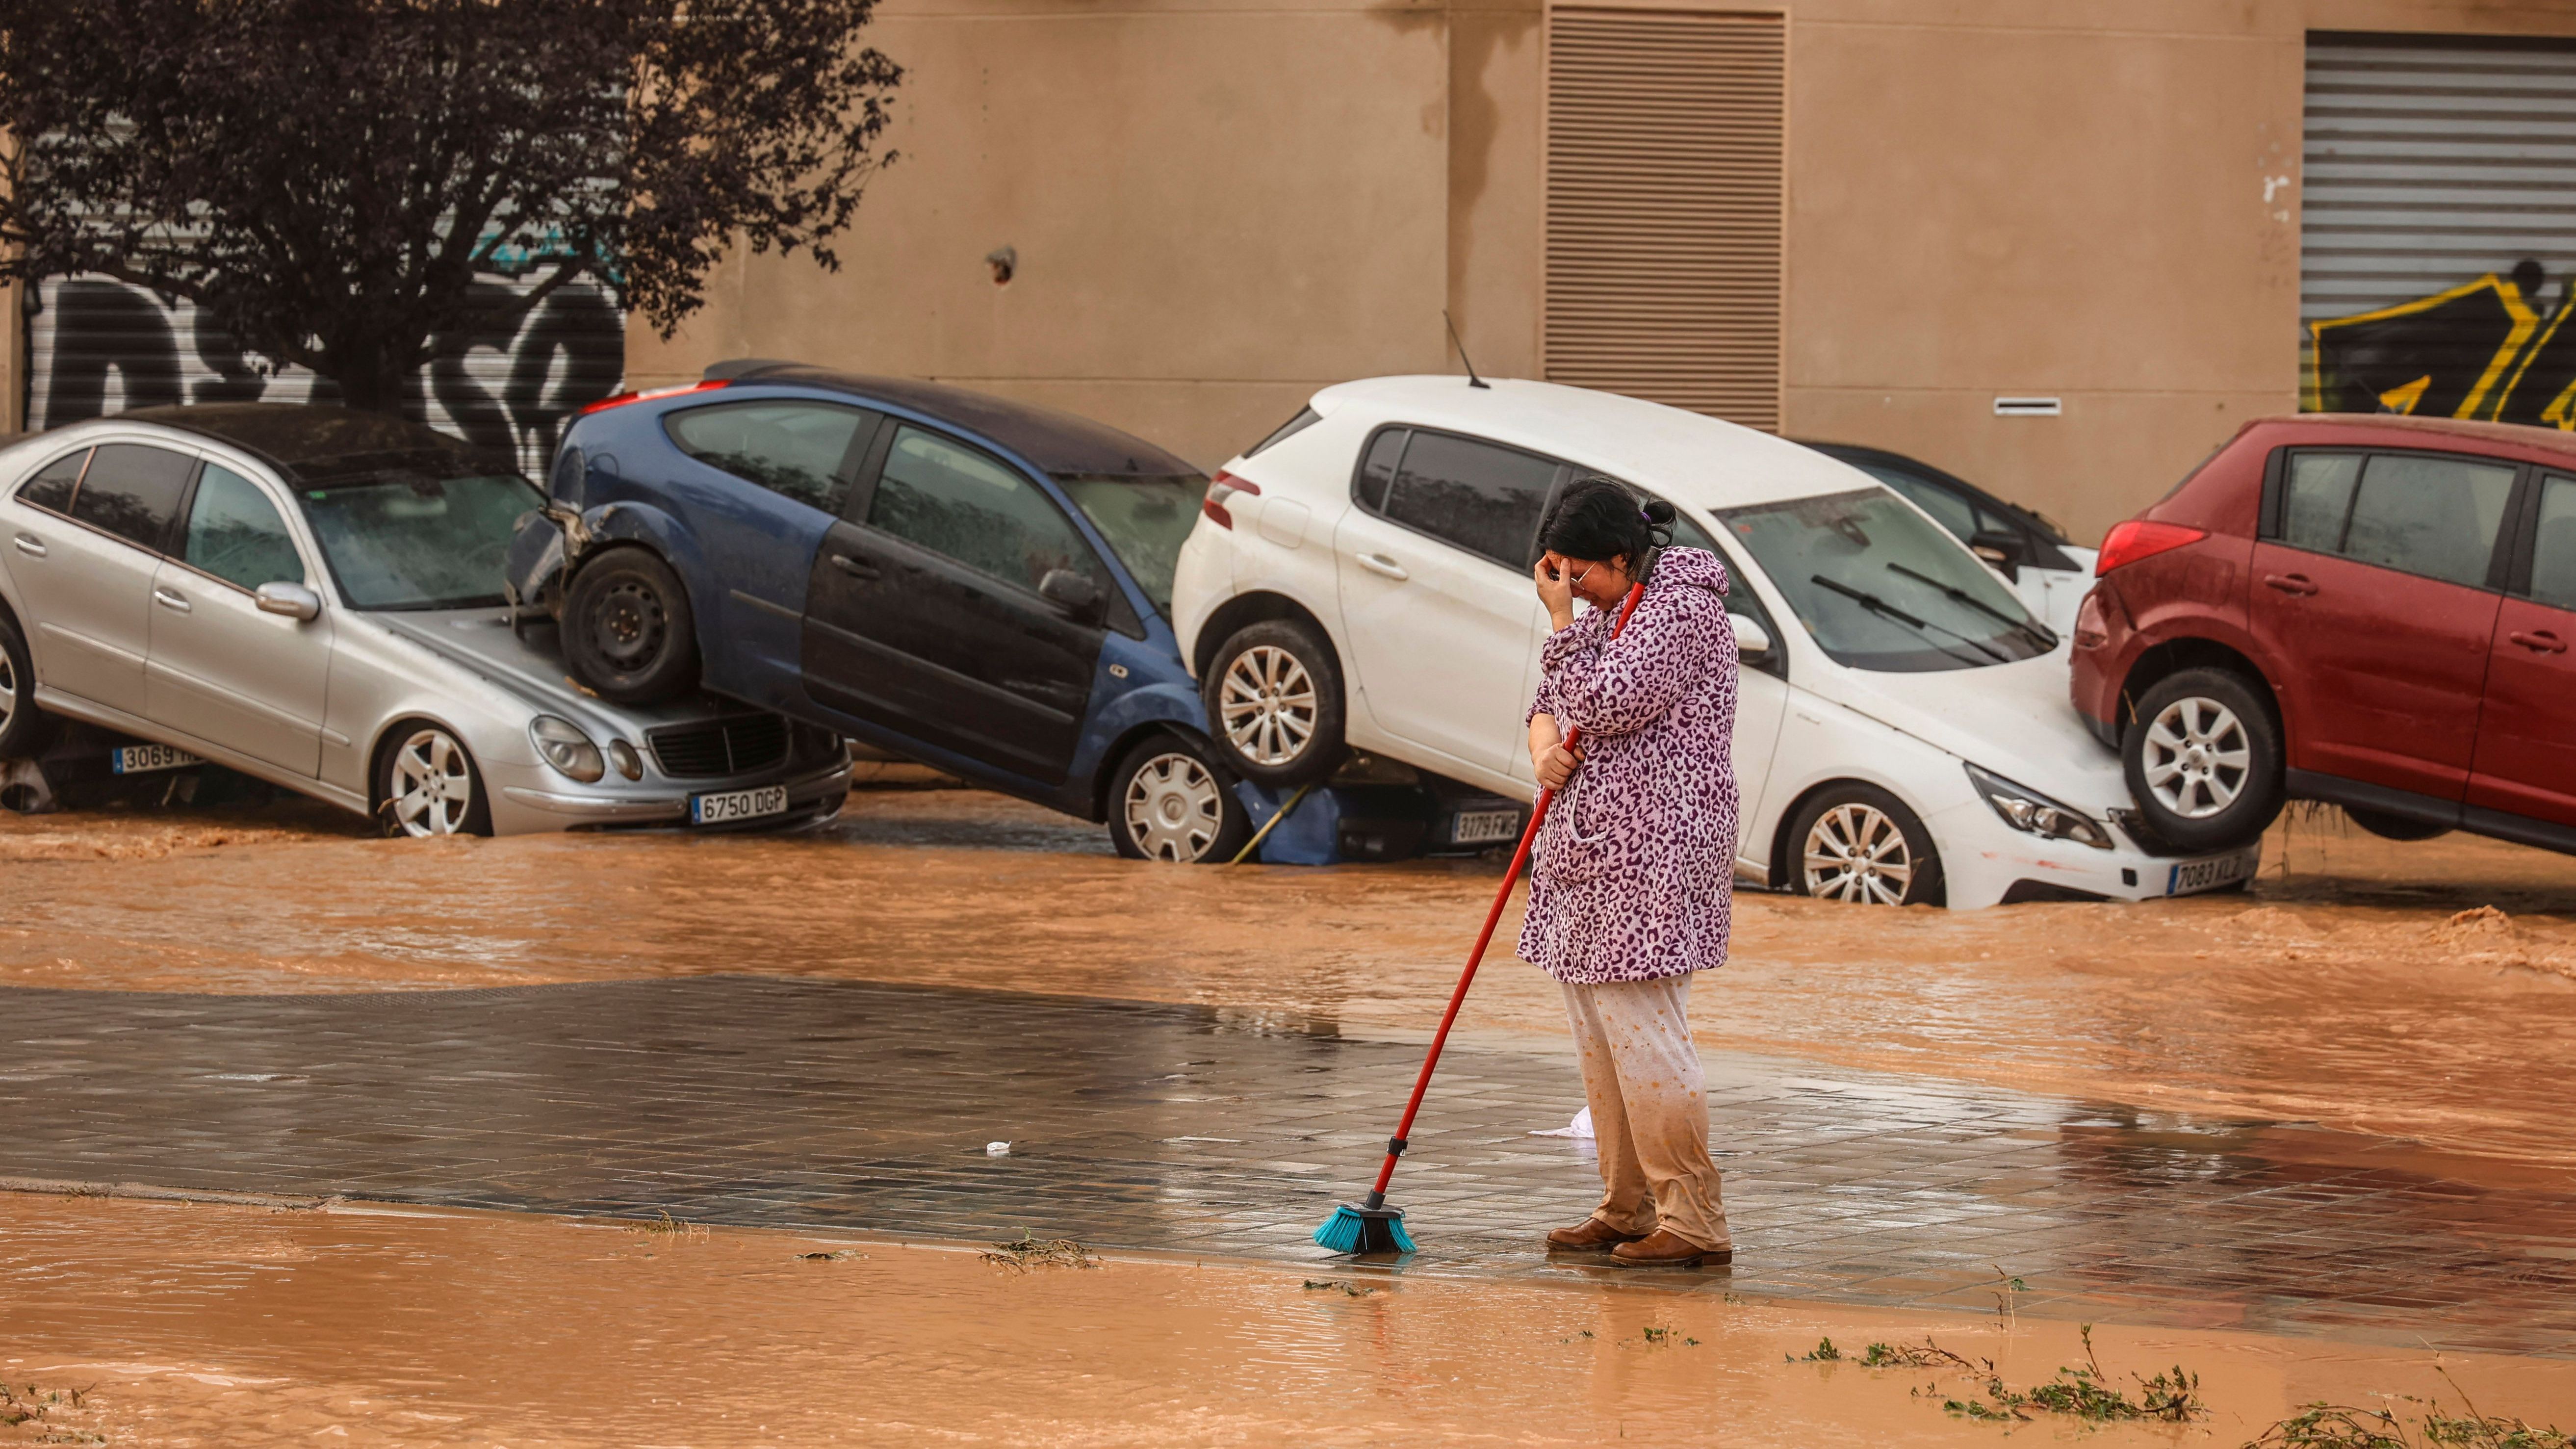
column 975, row 583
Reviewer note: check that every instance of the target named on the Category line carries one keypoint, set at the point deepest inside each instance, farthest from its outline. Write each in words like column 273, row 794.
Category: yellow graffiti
column 2524, row 321
column 2404, row 399
column 2558, row 413
column 2561, row 412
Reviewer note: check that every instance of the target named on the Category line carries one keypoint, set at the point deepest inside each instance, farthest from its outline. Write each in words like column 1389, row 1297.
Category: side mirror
column 292, row 600
column 1074, row 593
column 1752, row 641
column 2005, row 550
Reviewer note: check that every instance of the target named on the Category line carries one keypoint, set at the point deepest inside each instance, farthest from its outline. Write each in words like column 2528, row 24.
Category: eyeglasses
column 1587, row 569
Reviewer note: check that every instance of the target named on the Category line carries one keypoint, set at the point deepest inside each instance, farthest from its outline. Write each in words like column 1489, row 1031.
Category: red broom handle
column 1475, row 958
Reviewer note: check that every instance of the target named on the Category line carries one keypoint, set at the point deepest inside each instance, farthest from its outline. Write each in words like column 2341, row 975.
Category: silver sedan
column 313, row 596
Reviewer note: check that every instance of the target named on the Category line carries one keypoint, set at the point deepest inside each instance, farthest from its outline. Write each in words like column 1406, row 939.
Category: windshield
column 418, row 541
column 1882, row 587
column 1145, row 520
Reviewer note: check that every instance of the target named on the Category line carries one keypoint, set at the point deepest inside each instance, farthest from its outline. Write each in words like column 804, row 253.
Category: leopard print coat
column 1633, row 876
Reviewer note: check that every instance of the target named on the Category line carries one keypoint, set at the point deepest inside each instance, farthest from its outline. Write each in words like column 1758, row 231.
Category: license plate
column 1478, row 826
column 735, row 805
column 2203, row 875
column 144, row 759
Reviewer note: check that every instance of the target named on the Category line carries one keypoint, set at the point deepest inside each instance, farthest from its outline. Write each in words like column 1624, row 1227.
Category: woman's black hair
column 1601, row 520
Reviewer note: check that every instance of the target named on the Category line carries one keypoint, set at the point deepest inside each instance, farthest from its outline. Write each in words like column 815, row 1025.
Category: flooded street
column 2344, row 1076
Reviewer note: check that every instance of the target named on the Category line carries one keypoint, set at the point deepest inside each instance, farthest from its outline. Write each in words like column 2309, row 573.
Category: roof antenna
column 1472, row 379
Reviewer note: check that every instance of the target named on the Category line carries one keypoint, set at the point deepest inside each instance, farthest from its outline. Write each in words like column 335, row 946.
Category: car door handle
column 1378, row 563
column 855, row 568
column 30, row 545
column 2539, row 641
column 2290, row 583
column 171, row 599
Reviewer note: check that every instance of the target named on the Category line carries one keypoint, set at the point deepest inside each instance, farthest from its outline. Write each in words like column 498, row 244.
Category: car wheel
column 2203, row 760
column 2395, row 827
column 428, row 786
column 1858, row 843
column 24, row 729
column 1274, row 704
column 628, row 632
column 1170, row 801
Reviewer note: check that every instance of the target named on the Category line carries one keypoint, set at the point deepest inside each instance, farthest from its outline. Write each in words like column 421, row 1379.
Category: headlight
column 566, row 748
column 623, row 756
column 2029, row 810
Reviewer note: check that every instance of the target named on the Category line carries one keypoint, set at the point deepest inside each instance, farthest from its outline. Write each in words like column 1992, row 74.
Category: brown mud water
column 198, row 1324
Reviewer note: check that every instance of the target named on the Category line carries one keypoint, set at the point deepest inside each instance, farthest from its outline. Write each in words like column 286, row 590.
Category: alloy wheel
column 8, row 689
column 1857, row 853
column 629, row 625
column 1267, row 704
column 433, row 785
column 1175, row 808
column 2196, row 757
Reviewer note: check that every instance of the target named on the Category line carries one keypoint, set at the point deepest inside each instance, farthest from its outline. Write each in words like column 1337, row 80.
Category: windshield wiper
column 1884, row 609
column 2028, row 628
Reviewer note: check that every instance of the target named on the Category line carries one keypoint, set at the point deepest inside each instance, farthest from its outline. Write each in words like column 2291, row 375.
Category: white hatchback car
column 1360, row 579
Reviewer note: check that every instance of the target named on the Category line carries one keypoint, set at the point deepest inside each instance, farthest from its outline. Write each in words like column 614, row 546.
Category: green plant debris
column 2087, row 1393
column 663, row 1225
column 835, row 1256
column 1898, row 1355
column 1823, row 1352
column 22, row 1404
column 1339, row 1285
column 1031, row 1252
column 2322, row 1425
column 1666, row 1338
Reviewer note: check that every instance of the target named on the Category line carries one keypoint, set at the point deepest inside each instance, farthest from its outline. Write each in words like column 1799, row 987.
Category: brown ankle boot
column 1663, row 1250
column 1588, row 1236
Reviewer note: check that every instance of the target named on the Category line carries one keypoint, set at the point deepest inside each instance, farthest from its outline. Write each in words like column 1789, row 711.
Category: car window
column 1377, row 470
column 967, row 505
column 1146, row 520
column 2553, row 552
column 51, row 488
column 798, row 450
column 1306, row 418
column 1948, row 509
column 235, row 533
column 1483, row 498
column 2437, row 517
column 435, row 539
column 2316, row 498
column 133, row 491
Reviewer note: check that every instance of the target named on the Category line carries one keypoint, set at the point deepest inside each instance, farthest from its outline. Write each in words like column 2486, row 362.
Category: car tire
column 1171, row 801
column 2395, row 827
column 25, row 730
column 1274, row 704
column 629, row 634
column 2202, row 754
column 427, row 784
column 1858, row 843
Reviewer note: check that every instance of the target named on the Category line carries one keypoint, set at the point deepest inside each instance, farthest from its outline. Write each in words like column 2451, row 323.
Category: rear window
column 51, row 488
column 133, row 491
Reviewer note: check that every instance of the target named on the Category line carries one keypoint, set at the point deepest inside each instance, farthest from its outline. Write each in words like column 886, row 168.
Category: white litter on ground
column 997, row 1149
column 1580, row 1128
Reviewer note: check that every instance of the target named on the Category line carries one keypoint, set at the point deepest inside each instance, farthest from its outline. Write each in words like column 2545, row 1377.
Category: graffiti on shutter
column 96, row 346
column 2438, row 230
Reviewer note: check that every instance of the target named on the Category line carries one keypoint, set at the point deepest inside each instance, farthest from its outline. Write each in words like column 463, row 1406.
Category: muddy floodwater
column 190, row 1324
column 2396, row 991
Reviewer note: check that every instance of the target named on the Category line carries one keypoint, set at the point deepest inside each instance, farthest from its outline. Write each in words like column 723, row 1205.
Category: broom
column 1372, row 1226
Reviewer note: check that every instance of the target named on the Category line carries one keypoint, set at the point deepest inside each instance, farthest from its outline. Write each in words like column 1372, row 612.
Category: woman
column 1633, row 875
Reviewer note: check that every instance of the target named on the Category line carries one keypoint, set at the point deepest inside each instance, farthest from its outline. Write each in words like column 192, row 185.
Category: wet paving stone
column 867, row 1107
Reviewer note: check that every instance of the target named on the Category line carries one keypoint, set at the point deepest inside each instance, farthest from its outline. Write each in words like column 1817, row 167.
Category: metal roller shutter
column 2438, row 228
column 1664, row 133
column 96, row 346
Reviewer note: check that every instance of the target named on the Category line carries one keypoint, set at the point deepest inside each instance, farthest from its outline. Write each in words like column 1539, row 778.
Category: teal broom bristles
column 1356, row 1229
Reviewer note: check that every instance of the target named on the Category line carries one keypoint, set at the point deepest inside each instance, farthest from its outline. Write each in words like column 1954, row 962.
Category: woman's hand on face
column 1556, row 765
column 1555, row 588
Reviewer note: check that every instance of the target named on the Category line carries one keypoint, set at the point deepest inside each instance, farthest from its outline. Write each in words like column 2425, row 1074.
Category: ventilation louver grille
column 1663, row 207
column 726, row 747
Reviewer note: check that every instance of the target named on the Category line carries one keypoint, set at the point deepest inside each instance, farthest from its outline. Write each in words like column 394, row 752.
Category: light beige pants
column 1641, row 1075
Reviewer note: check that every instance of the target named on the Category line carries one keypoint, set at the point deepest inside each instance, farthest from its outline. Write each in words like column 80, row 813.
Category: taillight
column 623, row 398
column 1224, row 486
column 2142, row 538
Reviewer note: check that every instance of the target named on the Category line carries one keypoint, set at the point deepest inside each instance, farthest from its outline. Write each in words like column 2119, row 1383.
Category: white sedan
column 1360, row 580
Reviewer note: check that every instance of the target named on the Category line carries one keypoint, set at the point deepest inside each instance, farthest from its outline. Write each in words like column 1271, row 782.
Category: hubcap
column 1267, row 703
column 8, row 690
column 433, row 785
column 1175, row 808
column 1856, row 853
column 2196, row 757
column 629, row 625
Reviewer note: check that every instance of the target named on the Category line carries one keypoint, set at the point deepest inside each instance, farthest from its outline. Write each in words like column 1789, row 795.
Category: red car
column 2371, row 611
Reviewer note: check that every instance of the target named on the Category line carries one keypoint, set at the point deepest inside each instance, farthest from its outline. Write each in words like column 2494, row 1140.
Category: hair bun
column 1657, row 511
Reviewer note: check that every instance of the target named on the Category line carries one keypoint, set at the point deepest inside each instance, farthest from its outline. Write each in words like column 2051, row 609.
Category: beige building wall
column 1218, row 208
